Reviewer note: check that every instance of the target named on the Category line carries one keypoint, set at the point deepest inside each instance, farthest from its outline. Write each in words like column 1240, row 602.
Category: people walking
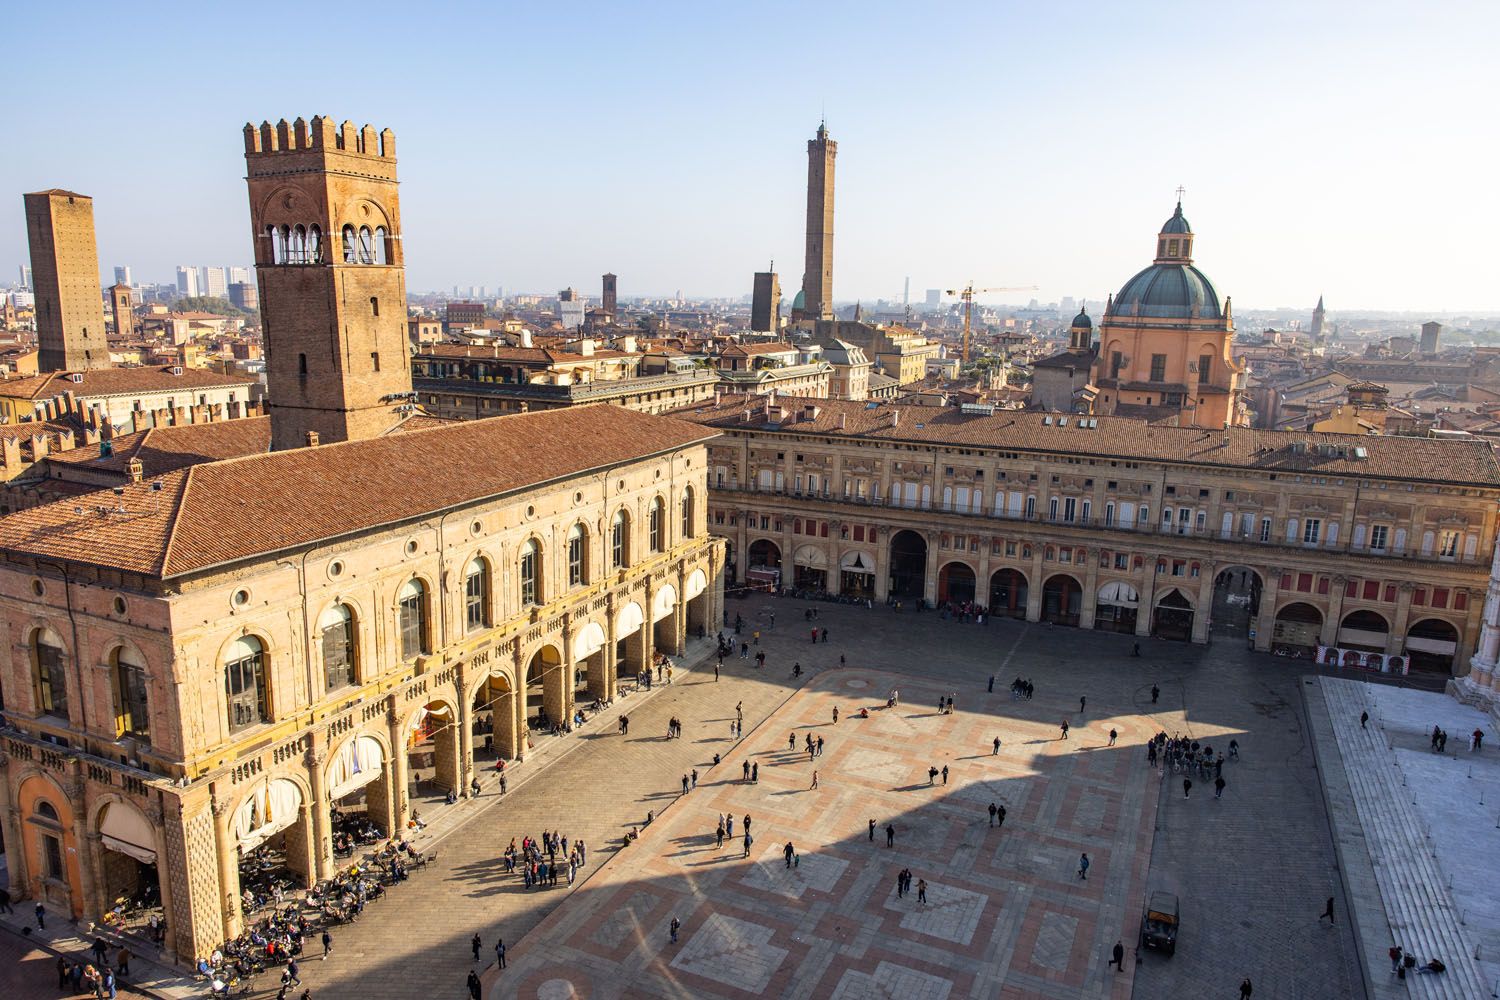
column 1112, row 736
column 473, row 985
column 1363, row 718
column 815, row 779
column 327, row 944
column 1219, row 787
column 41, row 917
column 922, row 891
column 1118, row 959
column 500, row 952
column 872, row 831
column 1082, row 703
column 788, row 851
column 1327, row 912
column 1246, row 989
column 994, row 811
column 890, row 835
column 755, row 773
column 1000, row 818
column 1064, row 729
column 996, row 749
column 474, row 945
column 1083, row 866
column 676, row 925
column 945, row 774
column 1187, row 786
column 1155, row 691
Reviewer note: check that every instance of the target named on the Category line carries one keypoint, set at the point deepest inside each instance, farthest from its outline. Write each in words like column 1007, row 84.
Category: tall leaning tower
column 326, row 223
column 817, row 274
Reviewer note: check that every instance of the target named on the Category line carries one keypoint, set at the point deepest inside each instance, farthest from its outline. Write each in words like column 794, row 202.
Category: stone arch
column 1432, row 643
column 589, row 653
column 1296, row 627
column 1172, row 615
column 1365, row 630
column 956, row 582
column 128, row 862
column 547, row 683
column 269, row 657
column 696, row 599
column 434, row 720
column 1062, row 599
column 1009, row 590
column 50, row 849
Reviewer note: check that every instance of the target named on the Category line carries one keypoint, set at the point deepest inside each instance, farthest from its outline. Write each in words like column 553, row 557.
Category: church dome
column 800, row 301
column 1177, row 224
column 1082, row 321
column 1168, row 291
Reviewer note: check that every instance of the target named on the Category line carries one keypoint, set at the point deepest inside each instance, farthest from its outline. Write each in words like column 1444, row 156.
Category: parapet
column 319, row 134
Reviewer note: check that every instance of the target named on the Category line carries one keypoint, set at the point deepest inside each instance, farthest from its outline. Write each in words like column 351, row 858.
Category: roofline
column 437, row 511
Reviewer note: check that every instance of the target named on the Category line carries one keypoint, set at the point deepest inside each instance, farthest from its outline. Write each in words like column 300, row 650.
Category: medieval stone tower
column 65, row 276
column 326, row 222
column 817, row 274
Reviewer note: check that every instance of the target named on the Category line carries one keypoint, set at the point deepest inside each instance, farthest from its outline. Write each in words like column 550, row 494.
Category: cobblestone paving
column 1262, row 859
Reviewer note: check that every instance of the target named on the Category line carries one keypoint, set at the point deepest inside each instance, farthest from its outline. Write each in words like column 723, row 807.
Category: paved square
column 737, row 953
column 889, row 982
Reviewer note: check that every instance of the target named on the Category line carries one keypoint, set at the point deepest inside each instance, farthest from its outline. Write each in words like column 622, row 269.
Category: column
column 1397, row 636
column 1469, row 639
column 465, row 730
column 320, row 864
column 1145, row 612
column 15, row 854
column 569, row 668
column 882, row 564
column 400, row 770
column 1090, row 606
column 1204, row 609
column 930, row 571
column 229, row 873
column 610, row 663
column 84, row 897
column 518, row 703
column 1035, row 583
column 679, row 613
column 1265, row 622
column 1329, row 634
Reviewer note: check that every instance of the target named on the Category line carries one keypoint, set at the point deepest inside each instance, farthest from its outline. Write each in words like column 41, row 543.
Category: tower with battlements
column 326, row 223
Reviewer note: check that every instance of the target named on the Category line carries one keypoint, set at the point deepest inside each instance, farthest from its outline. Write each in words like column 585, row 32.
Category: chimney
column 586, row 348
column 12, row 452
column 135, row 469
column 312, row 439
column 525, row 338
column 629, row 347
column 895, row 417
column 843, row 421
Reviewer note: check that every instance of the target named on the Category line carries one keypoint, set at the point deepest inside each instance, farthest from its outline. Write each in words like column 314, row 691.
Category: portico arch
column 1062, row 600
column 433, row 742
column 128, row 860
column 1008, row 592
column 665, row 617
column 1173, row 616
column 632, row 640
column 696, row 599
column 908, row 565
column 1431, row 644
column 546, row 688
column 1297, row 627
column 1117, row 608
column 956, row 583
column 1364, row 630
column 492, row 705
column 810, row 568
column 589, row 674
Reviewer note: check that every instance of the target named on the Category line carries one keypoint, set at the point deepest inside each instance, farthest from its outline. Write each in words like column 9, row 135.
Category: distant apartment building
column 244, row 295
column 214, row 282
column 187, row 280
column 465, row 315
column 122, row 276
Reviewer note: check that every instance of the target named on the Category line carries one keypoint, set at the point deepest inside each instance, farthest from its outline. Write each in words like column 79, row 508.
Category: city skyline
column 1036, row 164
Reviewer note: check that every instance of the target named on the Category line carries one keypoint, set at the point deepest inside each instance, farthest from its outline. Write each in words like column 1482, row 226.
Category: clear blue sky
column 1348, row 149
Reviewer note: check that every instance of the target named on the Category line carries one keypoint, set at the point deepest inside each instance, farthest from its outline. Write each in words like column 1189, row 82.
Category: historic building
column 1290, row 540
column 815, row 301
column 1164, row 342
column 65, row 277
column 1060, row 383
column 214, row 659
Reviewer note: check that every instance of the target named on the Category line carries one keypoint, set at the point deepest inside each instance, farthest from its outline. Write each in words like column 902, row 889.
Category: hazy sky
column 1348, row 149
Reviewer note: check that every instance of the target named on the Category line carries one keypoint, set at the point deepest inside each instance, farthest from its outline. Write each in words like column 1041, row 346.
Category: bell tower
column 326, row 223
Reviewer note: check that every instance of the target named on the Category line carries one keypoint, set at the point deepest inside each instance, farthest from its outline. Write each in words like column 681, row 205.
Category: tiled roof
column 1406, row 458
column 750, row 350
column 118, row 381
column 221, row 512
column 163, row 449
column 1067, row 359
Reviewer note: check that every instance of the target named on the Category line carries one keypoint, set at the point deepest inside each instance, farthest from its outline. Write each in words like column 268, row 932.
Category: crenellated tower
column 326, row 223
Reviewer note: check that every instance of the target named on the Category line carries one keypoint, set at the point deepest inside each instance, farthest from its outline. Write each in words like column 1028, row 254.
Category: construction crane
column 967, row 293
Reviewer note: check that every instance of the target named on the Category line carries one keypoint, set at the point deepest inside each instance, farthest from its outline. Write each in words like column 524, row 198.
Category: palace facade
column 1289, row 540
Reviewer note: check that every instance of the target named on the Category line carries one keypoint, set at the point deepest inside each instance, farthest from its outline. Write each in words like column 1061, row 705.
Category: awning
column 125, row 830
column 664, row 603
column 810, row 555
column 696, row 584
column 267, row 811
column 357, row 763
column 857, row 562
column 629, row 620
column 1119, row 593
column 590, row 640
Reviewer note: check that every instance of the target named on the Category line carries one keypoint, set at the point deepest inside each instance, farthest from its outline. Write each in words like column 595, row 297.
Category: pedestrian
column 1082, row 702
column 945, row 774
column 791, row 741
column 1476, row 740
column 1064, row 729
column 1112, row 736
column 1083, row 866
column 1395, row 954
column 719, row 835
column 716, row 670
column 695, row 785
column 684, row 784
column 900, row 885
column 122, row 962
column 729, row 825
column 820, row 746
column 992, row 683
column 41, row 917
column 748, row 842
column 932, row 774
column 825, row 635
column 1118, row 961
column 996, row 749
column 100, row 950
column 502, row 784
column 787, row 852
column 1155, row 691
column 327, row 944
column 1363, row 718
column 500, row 952
column 755, row 773
column 1187, row 786
column 815, row 779
column 745, row 770
column 994, row 810
column 1001, row 822
column 836, row 716
column 1219, row 787
column 474, row 944
column 922, row 891
column 473, row 984
column 1327, row 912
column 676, row 924
column 890, row 835
column 1246, row 989
column 296, row 974
column 872, row 831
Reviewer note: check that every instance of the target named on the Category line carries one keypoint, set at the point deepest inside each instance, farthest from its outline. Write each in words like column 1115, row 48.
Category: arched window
column 476, row 594
column 531, row 571
column 687, row 513
column 46, row 810
column 278, row 248
column 298, row 254
column 336, row 631
column 314, row 245
column 128, row 672
column 619, row 540
column 349, row 246
column 50, row 685
column 655, row 536
column 380, row 255
column 412, row 619
column 366, row 246
column 245, row 683
column 578, row 556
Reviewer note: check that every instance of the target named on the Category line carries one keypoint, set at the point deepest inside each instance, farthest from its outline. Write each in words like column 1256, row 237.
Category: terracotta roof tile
column 1405, row 458
column 117, row 381
column 221, row 512
column 162, row 449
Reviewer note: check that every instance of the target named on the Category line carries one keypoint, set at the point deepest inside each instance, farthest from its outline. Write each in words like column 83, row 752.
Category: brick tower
column 817, row 275
column 122, row 311
column 65, row 277
column 326, row 222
